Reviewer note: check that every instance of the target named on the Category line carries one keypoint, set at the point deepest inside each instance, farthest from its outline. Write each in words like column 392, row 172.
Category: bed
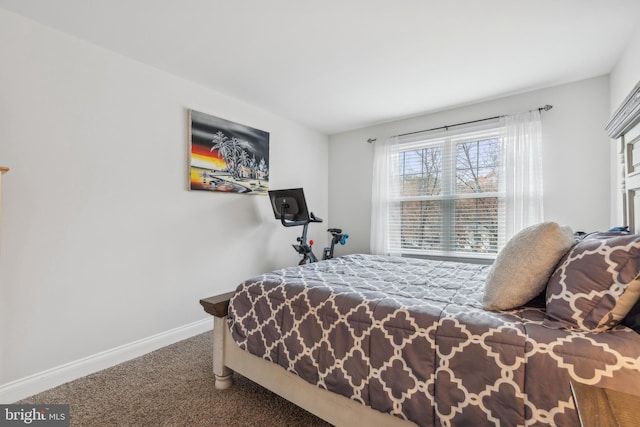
column 410, row 338
column 374, row 340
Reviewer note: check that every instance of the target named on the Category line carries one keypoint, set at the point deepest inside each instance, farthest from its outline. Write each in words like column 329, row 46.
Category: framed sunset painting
column 226, row 156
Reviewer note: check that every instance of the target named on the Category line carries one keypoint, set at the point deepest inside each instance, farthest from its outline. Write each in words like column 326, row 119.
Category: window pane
column 420, row 226
column 477, row 166
column 476, row 225
column 421, row 171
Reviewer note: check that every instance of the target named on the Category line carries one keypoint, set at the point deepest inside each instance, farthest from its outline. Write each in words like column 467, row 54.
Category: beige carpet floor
column 172, row 386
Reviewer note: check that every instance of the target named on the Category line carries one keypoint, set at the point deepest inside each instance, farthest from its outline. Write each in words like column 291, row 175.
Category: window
column 457, row 193
column 447, row 195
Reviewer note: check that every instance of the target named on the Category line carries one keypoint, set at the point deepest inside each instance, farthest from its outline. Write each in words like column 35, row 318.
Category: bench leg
column 223, row 375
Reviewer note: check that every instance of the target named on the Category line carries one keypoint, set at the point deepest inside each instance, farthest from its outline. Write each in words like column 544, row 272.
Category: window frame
column 448, row 142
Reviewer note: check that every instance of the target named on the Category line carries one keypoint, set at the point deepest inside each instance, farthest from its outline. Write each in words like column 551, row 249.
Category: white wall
column 626, row 73
column 575, row 153
column 102, row 244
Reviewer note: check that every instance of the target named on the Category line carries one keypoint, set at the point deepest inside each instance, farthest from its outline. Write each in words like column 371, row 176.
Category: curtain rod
column 545, row 108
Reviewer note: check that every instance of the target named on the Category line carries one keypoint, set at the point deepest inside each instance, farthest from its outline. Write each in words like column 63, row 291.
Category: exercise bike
column 290, row 207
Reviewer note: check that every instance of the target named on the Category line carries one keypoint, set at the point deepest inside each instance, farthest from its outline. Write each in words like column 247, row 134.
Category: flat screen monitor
column 293, row 202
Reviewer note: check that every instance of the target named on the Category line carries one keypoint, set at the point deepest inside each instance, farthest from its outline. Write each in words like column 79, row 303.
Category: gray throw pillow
column 596, row 284
column 523, row 267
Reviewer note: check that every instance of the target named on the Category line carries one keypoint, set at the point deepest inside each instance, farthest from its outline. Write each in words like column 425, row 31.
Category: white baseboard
column 36, row 383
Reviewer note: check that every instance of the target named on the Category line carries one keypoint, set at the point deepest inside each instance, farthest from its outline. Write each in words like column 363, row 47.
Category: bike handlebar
column 314, row 218
column 287, row 223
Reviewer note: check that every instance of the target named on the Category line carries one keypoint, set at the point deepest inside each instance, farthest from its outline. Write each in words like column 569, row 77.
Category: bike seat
column 334, row 230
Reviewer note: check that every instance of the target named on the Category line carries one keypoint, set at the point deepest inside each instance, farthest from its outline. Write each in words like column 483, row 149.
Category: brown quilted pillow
column 596, row 283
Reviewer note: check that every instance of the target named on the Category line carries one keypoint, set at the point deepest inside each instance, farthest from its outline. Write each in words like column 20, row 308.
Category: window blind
column 445, row 196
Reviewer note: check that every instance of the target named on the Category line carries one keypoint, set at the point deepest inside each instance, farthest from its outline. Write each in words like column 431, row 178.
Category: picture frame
column 227, row 157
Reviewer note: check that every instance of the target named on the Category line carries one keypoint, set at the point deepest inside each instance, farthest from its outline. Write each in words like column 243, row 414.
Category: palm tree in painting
column 234, row 153
column 253, row 166
column 220, row 143
column 262, row 168
column 243, row 161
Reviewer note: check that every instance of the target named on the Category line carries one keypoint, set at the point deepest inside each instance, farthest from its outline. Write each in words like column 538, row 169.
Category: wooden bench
column 218, row 305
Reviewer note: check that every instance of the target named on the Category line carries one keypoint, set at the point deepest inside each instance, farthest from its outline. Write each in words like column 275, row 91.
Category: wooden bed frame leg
column 223, row 375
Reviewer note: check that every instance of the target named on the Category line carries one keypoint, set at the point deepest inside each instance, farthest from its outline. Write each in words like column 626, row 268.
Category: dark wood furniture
column 217, row 305
column 601, row 407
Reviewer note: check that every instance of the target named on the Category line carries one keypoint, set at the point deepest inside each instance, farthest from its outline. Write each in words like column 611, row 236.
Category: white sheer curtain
column 384, row 169
column 521, row 173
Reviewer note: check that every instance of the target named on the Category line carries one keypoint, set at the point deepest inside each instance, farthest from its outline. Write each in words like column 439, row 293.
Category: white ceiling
column 338, row 65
